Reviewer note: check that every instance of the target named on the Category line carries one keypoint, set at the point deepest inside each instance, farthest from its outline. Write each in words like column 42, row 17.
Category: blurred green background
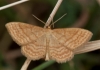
column 80, row 13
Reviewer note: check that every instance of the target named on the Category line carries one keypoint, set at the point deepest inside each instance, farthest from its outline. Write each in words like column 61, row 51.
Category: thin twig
column 12, row 4
column 53, row 13
column 26, row 64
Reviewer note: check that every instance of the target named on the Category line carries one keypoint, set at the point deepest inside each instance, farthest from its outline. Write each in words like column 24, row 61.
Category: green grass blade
column 44, row 65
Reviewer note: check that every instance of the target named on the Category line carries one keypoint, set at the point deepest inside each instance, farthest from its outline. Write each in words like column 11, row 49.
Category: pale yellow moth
column 51, row 44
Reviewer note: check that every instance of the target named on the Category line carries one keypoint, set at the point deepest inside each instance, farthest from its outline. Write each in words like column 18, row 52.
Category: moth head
column 48, row 27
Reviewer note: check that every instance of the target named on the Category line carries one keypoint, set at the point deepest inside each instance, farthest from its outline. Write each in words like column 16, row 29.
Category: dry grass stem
column 53, row 13
column 26, row 64
column 90, row 46
column 12, row 4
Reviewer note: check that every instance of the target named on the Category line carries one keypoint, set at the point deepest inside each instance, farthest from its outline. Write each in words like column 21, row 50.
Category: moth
column 51, row 44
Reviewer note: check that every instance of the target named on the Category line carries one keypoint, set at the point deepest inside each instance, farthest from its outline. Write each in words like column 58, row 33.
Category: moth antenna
column 58, row 19
column 38, row 19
